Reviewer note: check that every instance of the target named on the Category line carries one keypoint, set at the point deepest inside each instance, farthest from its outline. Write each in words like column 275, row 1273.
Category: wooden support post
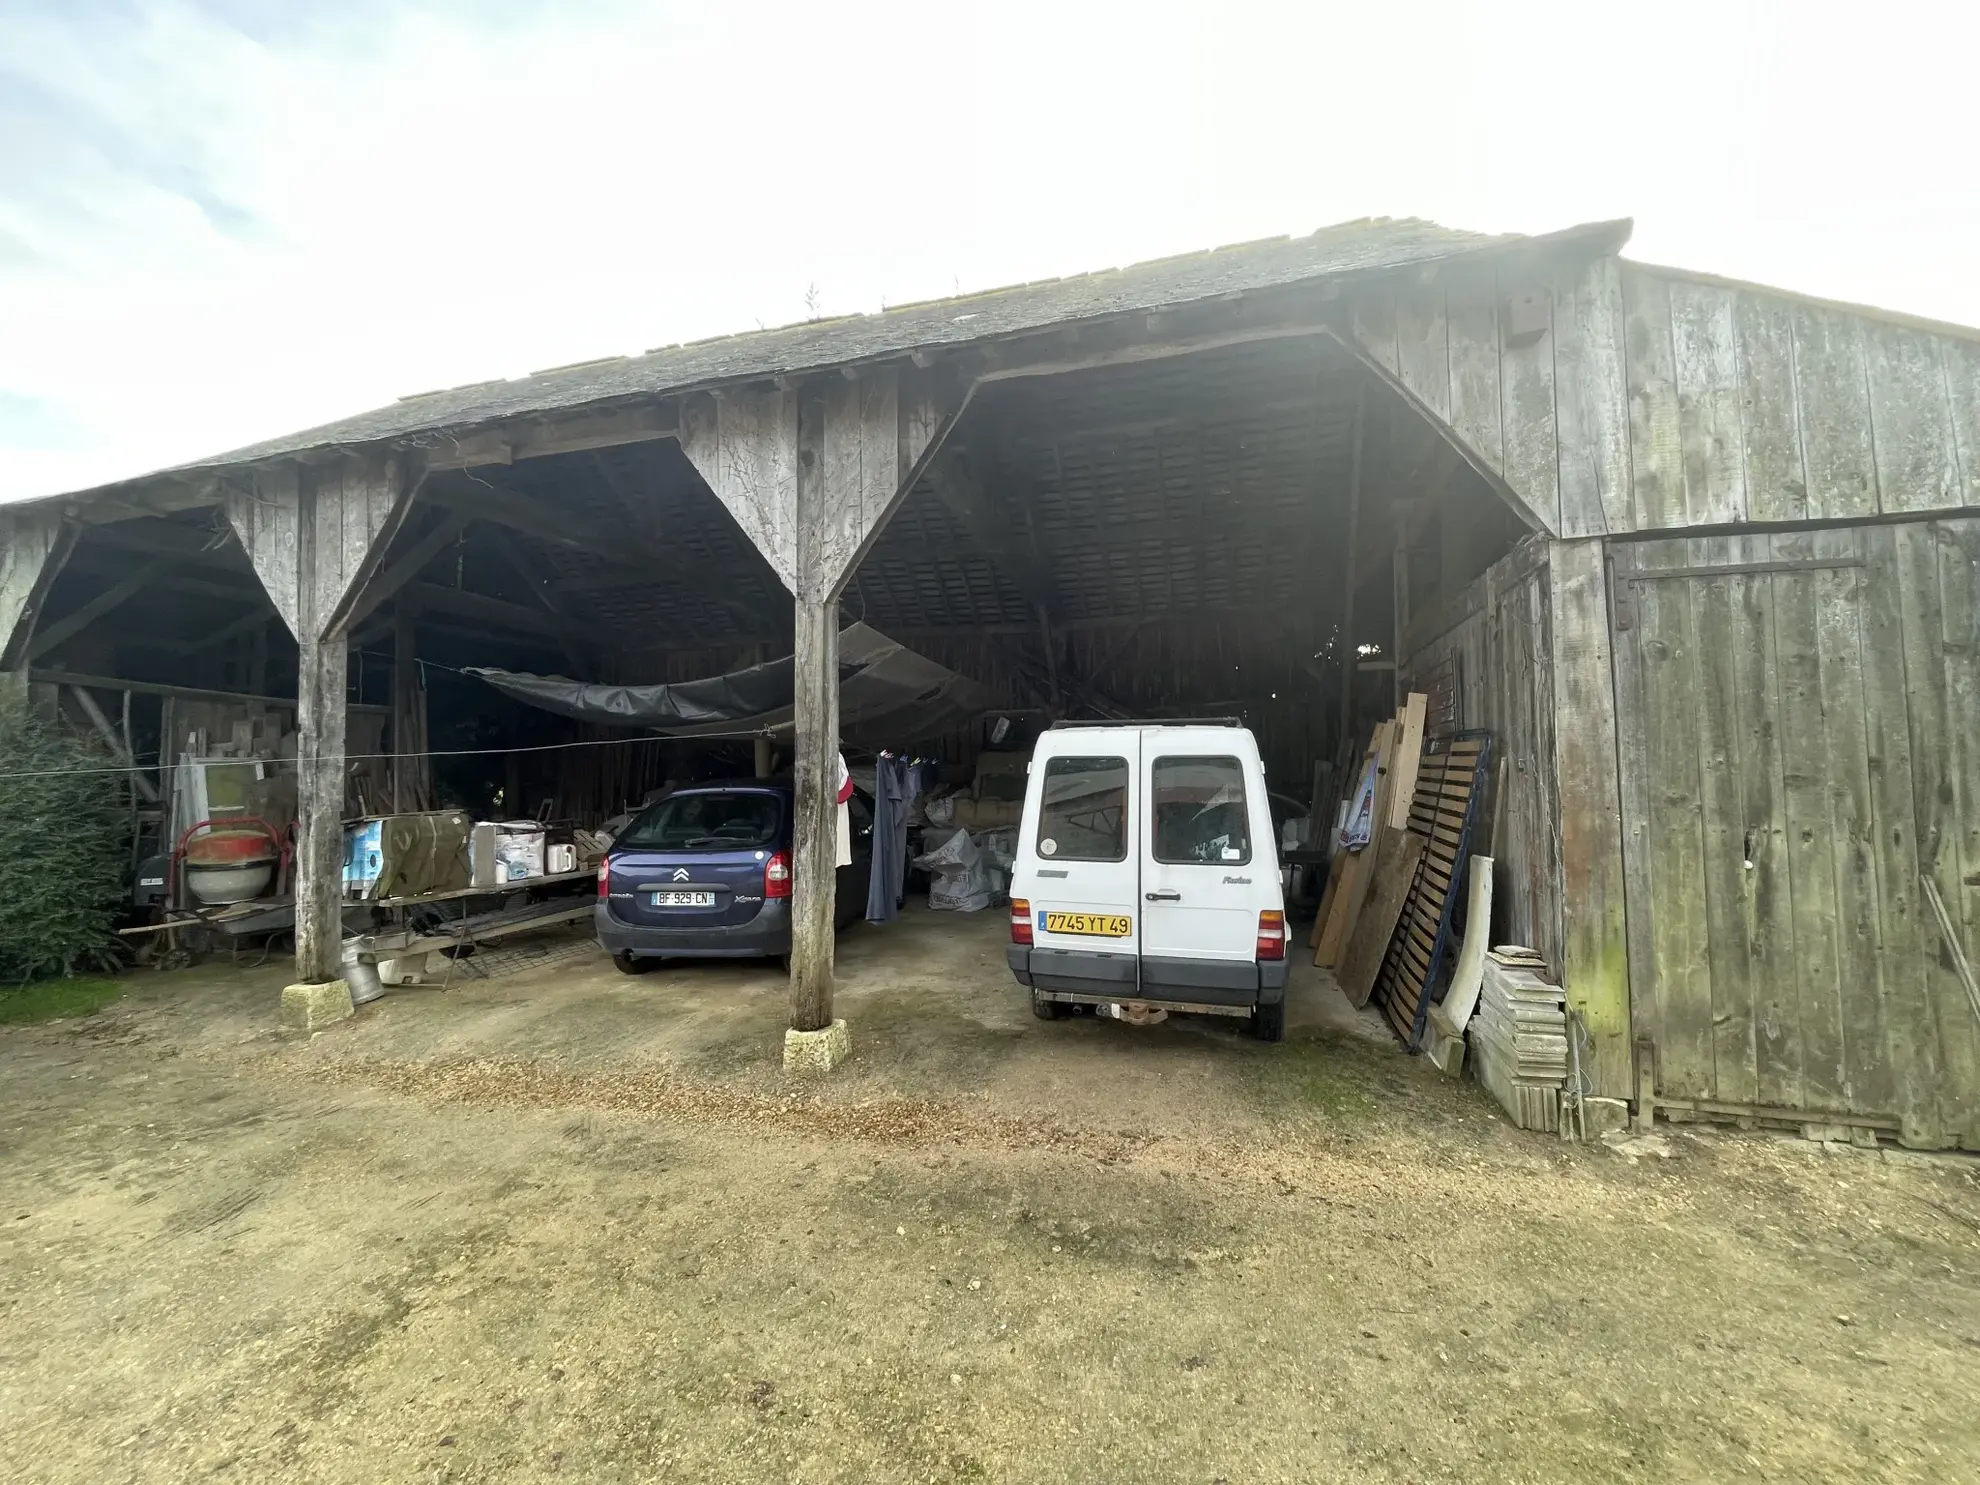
column 1646, row 1085
column 407, row 734
column 1058, row 702
column 1594, row 952
column 810, row 473
column 816, row 874
column 322, row 668
column 1399, row 613
column 816, row 709
column 314, row 537
column 1351, row 576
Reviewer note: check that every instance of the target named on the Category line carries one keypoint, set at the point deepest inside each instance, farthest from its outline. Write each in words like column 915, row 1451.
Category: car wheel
column 1049, row 1010
column 626, row 964
column 1268, row 1022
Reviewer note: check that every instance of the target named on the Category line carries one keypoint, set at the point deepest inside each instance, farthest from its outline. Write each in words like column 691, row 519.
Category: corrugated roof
column 1369, row 245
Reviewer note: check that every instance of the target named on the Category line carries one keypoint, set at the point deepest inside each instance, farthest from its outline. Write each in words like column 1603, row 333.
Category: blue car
column 706, row 873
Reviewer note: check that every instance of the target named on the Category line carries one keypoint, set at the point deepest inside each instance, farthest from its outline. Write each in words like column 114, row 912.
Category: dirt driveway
column 576, row 1225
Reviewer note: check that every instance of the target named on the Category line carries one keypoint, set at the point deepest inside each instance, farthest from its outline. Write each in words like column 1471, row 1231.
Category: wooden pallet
column 1449, row 782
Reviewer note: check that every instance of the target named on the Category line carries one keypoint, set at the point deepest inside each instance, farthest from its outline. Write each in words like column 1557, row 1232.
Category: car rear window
column 706, row 822
column 1083, row 812
column 1199, row 812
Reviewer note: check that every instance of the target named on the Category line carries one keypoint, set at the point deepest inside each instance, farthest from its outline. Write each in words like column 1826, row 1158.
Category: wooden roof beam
column 505, row 546
column 168, row 581
column 569, row 433
column 483, row 499
column 463, row 603
column 73, row 623
column 409, row 566
column 152, row 538
column 496, row 503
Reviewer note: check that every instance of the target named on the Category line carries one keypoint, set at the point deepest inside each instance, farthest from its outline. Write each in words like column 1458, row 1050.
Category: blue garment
column 896, row 782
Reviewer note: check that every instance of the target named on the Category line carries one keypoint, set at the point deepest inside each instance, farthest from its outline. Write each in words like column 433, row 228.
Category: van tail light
column 777, row 875
column 605, row 878
column 1271, row 935
column 1021, row 922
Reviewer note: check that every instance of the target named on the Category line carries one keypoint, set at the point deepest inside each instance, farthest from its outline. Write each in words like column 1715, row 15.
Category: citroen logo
column 680, row 873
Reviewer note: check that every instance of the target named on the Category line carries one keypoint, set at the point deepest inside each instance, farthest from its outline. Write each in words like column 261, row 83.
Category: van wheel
column 1268, row 1022
column 1049, row 1010
column 626, row 964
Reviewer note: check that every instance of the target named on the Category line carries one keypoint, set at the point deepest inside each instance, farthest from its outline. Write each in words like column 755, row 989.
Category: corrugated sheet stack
column 1519, row 1039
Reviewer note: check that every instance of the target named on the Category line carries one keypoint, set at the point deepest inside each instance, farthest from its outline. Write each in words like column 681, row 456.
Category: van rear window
column 1199, row 812
column 1082, row 813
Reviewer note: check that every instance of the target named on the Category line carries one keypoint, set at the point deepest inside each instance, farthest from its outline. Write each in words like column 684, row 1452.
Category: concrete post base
column 1604, row 1116
column 817, row 1051
column 313, row 1007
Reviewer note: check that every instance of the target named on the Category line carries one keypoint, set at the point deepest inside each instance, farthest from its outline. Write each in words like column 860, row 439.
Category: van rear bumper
column 1205, row 982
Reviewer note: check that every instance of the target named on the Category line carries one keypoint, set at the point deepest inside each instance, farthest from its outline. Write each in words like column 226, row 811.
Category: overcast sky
column 222, row 220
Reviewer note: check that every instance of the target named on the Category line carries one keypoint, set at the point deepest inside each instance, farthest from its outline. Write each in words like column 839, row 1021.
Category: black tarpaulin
column 888, row 695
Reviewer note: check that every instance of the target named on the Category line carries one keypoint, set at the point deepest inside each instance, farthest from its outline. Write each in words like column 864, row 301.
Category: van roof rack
column 1151, row 722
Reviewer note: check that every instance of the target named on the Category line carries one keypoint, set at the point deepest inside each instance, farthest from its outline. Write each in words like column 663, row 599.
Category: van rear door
column 1210, row 865
column 1080, row 857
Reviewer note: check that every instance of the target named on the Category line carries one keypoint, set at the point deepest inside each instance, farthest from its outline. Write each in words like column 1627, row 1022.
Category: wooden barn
column 1703, row 557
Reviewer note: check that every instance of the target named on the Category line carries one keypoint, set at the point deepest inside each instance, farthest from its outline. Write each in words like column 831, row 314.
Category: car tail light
column 1271, row 935
column 777, row 875
column 1020, row 922
column 605, row 878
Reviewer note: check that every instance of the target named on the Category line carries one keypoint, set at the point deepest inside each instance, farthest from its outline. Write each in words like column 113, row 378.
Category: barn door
column 1799, row 726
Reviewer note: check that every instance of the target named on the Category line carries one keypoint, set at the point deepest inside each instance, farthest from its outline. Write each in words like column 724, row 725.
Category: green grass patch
column 1324, row 1073
column 56, row 1000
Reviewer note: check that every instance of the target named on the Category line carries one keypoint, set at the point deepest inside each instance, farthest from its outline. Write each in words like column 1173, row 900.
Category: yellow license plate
column 1096, row 925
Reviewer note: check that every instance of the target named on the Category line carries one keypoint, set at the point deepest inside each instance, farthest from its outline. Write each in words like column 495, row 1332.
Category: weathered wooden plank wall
column 745, row 443
column 1503, row 644
column 1800, row 716
column 1531, row 638
column 872, row 432
column 313, row 534
column 1525, row 368
column 1612, row 398
column 1753, row 406
column 1938, row 566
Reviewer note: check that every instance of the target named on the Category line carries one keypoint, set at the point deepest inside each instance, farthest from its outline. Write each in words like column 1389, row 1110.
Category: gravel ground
column 571, row 1224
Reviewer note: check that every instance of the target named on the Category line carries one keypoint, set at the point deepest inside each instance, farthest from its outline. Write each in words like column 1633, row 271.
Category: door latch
column 1167, row 894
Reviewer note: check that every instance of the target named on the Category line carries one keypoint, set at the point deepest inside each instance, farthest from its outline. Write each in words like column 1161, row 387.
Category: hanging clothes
column 843, row 854
column 896, row 782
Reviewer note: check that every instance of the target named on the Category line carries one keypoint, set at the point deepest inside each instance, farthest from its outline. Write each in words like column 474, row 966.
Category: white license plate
column 684, row 899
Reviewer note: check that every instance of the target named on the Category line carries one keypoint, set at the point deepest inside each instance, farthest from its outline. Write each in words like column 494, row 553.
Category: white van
column 1147, row 873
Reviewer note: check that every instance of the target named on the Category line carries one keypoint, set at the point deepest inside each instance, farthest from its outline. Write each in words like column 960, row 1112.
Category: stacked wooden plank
column 1398, row 853
column 1392, row 754
column 1448, row 783
column 1519, row 1040
column 1348, row 871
